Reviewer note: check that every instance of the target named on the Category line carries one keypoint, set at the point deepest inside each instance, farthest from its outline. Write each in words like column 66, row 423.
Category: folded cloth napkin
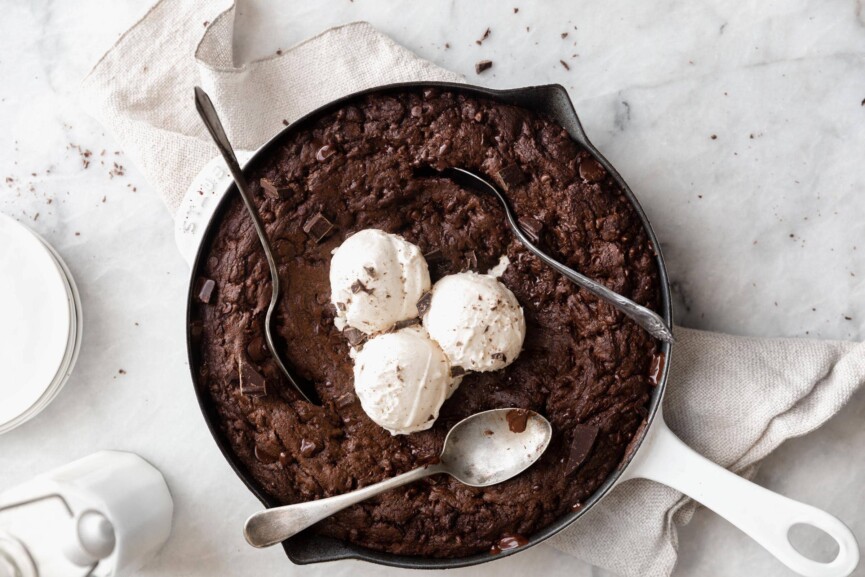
column 733, row 399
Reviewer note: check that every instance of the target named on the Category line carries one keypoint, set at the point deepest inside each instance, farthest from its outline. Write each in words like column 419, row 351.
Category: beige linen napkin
column 732, row 399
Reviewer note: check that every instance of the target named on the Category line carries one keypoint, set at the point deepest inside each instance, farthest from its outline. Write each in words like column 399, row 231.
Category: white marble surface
column 762, row 225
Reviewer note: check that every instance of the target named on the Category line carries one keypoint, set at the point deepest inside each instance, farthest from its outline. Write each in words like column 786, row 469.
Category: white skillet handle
column 763, row 515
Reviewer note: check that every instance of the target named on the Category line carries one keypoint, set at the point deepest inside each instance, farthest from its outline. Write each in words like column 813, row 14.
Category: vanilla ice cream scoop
column 402, row 379
column 476, row 320
column 376, row 279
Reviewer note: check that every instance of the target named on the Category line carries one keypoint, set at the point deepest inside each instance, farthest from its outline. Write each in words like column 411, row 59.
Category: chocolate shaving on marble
column 318, row 227
column 483, row 65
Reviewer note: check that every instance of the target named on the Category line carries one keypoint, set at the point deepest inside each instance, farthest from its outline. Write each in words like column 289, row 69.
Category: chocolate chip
column 483, row 65
column 273, row 190
column 324, row 153
column 318, row 227
column 591, row 170
column 509, row 176
column 532, row 227
column 252, row 384
column 457, row 371
column 370, row 271
column 206, row 291
column 582, row 442
column 423, row 304
column 434, row 256
column 354, row 336
column 284, row 459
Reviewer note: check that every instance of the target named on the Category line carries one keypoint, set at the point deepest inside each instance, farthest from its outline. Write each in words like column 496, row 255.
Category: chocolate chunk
column 591, row 170
column 483, row 65
column 206, row 291
column 499, row 357
column 509, row 176
column 532, row 227
column 423, row 304
column 354, row 336
column 318, row 227
column 252, row 384
column 582, row 441
column 457, row 371
column 405, row 323
column 358, row 286
column 273, row 190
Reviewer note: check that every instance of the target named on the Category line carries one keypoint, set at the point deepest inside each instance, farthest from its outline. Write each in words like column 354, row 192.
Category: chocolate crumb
column 565, row 64
column 484, row 37
column 318, row 227
column 121, row 371
column 206, row 292
column 279, row 52
column 483, row 65
column 564, row 34
column 284, row 122
column 516, row 10
column 714, row 137
column 423, row 304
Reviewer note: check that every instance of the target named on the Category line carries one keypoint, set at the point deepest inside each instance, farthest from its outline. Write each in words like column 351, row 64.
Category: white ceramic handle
column 763, row 515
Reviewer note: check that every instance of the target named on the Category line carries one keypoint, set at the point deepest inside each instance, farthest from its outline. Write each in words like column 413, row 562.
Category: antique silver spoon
column 643, row 316
column 217, row 132
column 481, row 450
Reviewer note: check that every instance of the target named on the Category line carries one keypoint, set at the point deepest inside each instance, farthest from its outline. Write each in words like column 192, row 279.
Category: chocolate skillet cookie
column 584, row 366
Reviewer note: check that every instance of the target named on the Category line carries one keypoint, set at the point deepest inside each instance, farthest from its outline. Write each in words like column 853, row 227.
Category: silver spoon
column 643, row 316
column 217, row 132
column 481, row 450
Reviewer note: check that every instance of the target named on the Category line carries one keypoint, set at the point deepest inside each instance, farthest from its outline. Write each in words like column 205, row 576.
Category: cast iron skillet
column 655, row 452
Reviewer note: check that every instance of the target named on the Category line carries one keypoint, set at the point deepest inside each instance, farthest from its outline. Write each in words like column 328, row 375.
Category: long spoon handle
column 646, row 318
column 272, row 526
column 214, row 126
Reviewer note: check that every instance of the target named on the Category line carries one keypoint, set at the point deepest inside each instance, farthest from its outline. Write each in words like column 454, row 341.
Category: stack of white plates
column 40, row 324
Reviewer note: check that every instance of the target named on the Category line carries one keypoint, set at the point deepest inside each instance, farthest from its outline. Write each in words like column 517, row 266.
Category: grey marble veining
column 740, row 126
